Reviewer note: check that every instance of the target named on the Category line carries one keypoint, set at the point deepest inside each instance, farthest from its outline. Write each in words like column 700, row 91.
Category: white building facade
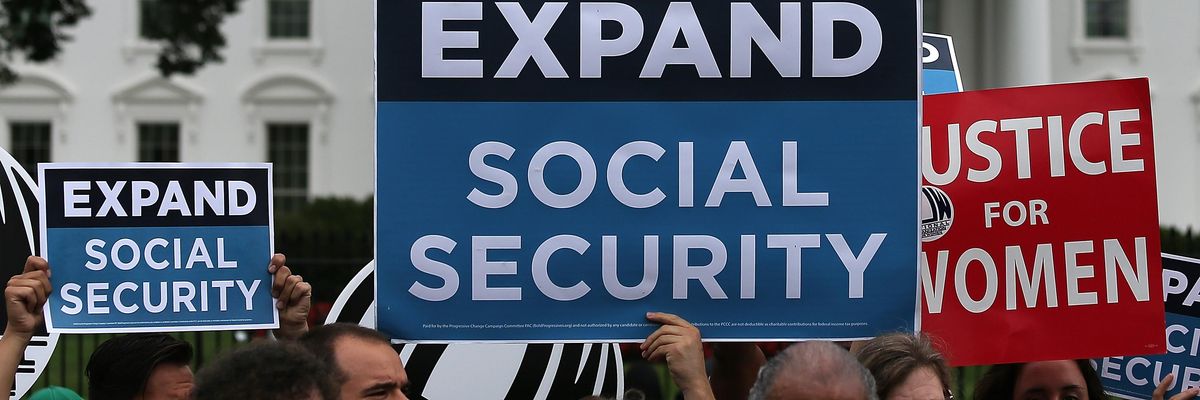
column 295, row 89
column 1003, row 43
column 296, row 86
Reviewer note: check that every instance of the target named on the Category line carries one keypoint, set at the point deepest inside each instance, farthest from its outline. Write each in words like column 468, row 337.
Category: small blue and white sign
column 1135, row 377
column 940, row 65
column 157, row 247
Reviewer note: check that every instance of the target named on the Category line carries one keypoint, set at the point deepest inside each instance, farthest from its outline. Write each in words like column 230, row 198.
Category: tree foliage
column 1182, row 242
column 187, row 30
column 190, row 33
column 34, row 28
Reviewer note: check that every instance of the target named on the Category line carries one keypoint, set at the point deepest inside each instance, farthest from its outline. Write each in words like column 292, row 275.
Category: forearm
column 12, row 350
column 735, row 368
column 291, row 331
column 698, row 390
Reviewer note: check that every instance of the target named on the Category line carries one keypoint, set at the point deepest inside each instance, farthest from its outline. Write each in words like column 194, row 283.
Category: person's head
column 1058, row 379
column 362, row 361
column 643, row 377
column 813, row 370
column 150, row 366
column 55, row 393
column 266, row 371
column 905, row 366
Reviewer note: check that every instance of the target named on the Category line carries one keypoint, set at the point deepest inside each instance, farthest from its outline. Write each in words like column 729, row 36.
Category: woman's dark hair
column 1000, row 382
column 266, row 371
column 893, row 357
column 120, row 367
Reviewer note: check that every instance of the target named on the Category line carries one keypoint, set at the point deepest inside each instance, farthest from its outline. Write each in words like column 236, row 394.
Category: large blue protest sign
column 940, row 65
column 1135, row 377
column 553, row 171
column 157, row 247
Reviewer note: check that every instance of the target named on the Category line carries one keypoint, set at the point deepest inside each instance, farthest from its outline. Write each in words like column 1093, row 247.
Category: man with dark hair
column 814, row 370
column 266, row 371
column 140, row 366
column 362, row 361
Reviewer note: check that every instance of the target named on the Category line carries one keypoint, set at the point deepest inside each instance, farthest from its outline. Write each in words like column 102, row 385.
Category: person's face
column 373, row 370
column 168, row 382
column 921, row 384
column 1050, row 380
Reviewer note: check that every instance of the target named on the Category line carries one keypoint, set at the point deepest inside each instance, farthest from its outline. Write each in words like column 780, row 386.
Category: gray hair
column 818, row 361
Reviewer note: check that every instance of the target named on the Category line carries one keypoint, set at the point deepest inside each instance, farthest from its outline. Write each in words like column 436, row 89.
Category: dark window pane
column 154, row 17
column 288, row 19
column 30, row 144
column 1107, row 19
column 287, row 150
column 158, row 141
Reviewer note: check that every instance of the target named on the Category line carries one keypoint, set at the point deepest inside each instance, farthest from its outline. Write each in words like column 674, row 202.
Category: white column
column 1022, row 42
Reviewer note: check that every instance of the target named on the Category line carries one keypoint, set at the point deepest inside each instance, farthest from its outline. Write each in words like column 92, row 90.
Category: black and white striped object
column 18, row 240
column 491, row 371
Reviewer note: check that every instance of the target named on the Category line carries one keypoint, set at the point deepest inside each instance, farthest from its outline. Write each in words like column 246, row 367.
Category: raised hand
column 24, row 297
column 678, row 342
column 1160, row 392
column 293, row 298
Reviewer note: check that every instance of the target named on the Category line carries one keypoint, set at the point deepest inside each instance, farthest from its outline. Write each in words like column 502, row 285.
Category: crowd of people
column 346, row 361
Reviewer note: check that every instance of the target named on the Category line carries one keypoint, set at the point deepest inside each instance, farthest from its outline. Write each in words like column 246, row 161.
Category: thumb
column 1161, row 391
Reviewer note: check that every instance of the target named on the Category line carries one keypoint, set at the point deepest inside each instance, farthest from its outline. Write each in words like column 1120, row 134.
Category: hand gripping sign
column 748, row 165
column 1040, row 223
column 157, row 247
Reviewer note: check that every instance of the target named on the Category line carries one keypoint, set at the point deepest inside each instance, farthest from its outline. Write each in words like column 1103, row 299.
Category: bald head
column 814, row 370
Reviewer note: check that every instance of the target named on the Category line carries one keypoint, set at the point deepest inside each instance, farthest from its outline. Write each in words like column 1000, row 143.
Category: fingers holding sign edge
column 672, row 326
column 35, row 263
column 279, row 281
column 26, row 296
column 277, row 260
column 1160, row 392
column 303, row 289
column 37, row 292
column 36, row 277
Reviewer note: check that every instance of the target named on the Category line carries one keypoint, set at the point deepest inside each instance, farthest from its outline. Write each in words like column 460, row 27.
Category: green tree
column 188, row 31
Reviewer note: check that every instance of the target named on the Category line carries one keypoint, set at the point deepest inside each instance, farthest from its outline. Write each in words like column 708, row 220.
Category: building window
column 1106, row 19
column 288, row 19
column 158, row 141
column 154, row 16
column 30, row 144
column 287, row 149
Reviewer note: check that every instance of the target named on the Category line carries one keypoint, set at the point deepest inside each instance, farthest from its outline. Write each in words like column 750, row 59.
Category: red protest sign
column 1040, row 223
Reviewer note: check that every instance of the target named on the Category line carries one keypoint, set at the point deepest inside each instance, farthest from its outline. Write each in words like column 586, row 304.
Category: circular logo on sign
column 937, row 213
